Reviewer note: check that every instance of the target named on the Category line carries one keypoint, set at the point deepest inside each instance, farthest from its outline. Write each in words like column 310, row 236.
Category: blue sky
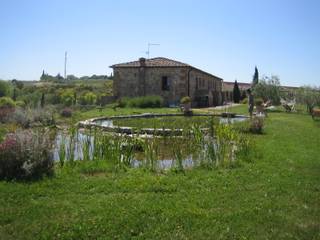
column 226, row 38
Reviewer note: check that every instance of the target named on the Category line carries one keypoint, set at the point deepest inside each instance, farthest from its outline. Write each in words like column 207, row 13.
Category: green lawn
column 274, row 196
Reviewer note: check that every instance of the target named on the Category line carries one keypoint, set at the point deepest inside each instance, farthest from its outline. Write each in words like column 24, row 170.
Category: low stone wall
column 91, row 123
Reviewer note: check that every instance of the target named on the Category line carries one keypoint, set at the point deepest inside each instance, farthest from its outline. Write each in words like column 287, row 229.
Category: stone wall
column 142, row 81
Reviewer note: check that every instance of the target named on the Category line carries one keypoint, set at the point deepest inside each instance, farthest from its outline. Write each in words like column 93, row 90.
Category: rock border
column 91, row 123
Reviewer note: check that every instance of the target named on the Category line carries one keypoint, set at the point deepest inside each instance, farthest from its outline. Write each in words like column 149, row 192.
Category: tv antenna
column 149, row 45
column 65, row 65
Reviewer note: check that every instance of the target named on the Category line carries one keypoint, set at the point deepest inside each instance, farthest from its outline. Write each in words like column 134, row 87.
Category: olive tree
column 268, row 88
column 309, row 96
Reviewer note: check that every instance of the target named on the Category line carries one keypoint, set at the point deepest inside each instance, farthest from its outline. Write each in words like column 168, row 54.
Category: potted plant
column 186, row 104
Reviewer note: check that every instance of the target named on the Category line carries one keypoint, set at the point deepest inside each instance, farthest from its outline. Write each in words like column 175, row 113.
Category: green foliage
column 89, row 98
column 6, row 102
column 236, row 92
column 26, row 155
column 255, row 79
column 66, row 112
column 256, row 125
column 258, row 101
column 309, row 96
column 268, row 89
column 185, row 100
column 249, row 201
column 143, row 102
column 4, row 88
column 244, row 101
column 67, row 97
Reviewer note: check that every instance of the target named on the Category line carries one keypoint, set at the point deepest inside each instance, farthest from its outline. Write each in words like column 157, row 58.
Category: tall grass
column 151, row 153
column 210, row 147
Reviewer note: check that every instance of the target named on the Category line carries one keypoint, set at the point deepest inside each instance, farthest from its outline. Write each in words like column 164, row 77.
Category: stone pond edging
column 91, row 123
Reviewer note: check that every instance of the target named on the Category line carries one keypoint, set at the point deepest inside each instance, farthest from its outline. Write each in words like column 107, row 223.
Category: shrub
column 244, row 101
column 258, row 101
column 6, row 102
column 256, row 125
column 66, row 112
column 185, row 100
column 67, row 97
column 19, row 117
column 21, row 104
column 4, row 88
column 26, row 155
column 45, row 116
column 7, row 107
column 88, row 98
column 5, row 113
column 144, row 102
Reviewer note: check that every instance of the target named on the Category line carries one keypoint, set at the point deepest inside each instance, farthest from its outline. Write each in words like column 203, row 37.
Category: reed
column 62, row 151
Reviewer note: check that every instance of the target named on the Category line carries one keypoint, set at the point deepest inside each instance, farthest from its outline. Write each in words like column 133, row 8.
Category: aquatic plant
column 151, row 153
column 62, row 150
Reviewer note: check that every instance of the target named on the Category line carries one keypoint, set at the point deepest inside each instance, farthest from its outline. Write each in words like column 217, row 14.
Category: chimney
column 142, row 62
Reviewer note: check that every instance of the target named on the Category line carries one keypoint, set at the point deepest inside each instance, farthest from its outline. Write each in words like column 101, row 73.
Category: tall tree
column 42, row 101
column 14, row 96
column 236, row 92
column 255, row 79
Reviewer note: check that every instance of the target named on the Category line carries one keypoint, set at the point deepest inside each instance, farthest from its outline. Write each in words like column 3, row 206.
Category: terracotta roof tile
column 153, row 62
column 158, row 62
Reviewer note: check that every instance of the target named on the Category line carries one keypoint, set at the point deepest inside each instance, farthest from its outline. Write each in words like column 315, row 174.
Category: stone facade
column 169, row 79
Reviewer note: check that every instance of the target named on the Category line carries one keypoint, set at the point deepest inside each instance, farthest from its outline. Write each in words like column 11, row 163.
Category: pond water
column 172, row 122
column 165, row 149
column 166, row 152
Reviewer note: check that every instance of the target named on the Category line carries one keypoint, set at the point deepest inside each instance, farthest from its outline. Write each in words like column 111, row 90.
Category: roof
column 153, row 62
column 157, row 62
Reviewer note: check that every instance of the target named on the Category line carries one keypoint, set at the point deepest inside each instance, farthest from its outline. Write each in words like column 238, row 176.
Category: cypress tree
column 236, row 92
column 42, row 101
column 255, row 79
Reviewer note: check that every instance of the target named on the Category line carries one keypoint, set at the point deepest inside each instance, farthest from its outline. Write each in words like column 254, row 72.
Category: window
column 165, row 84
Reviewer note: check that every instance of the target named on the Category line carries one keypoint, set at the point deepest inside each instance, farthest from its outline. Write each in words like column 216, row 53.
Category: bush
column 7, row 107
column 26, row 155
column 6, row 102
column 88, row 98
column 244, row 101
column 21, row 104
column 20, row 117
column 185, row 100
column 256, row 125
column 258, row 101
column 66, row 112
column 143, row 102
column 67, row 97
column 4, row 88
column 45, row 116
column 5, row 113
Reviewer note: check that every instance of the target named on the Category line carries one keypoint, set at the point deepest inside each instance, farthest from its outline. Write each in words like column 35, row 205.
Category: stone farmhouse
column 167, row 78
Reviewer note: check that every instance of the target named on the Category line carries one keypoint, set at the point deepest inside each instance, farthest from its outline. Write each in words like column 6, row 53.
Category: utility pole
column 151, row 44
column 65, row 65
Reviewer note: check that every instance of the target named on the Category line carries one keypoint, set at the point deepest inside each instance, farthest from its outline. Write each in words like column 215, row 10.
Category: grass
column 274, row 196
column 163, row 122
column 108, row 111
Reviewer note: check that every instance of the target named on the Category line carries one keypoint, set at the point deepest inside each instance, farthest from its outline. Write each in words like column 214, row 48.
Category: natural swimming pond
column 84, row 146
column 166, row 122
column 202, row 140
